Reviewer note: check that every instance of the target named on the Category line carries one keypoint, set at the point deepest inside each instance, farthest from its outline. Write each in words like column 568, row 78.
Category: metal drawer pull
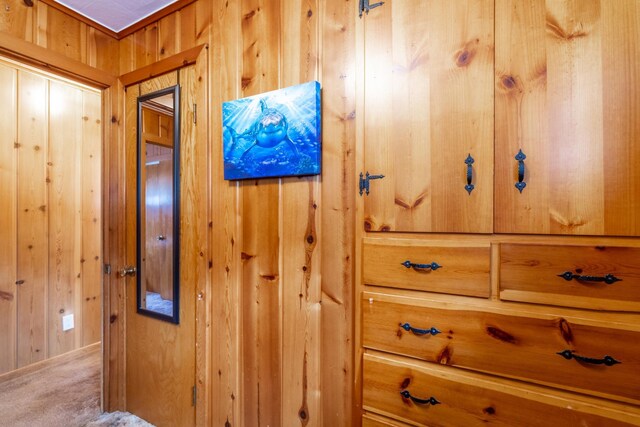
column 607, row 278
column 416, row 331
column 607, row 360
column 520, row 158
column 469, row 161
column 430, row 401
column 433, row 266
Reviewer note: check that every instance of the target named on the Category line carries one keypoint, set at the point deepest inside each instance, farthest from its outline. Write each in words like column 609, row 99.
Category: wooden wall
column 47, row 27
column 280, row 290
column 50, row 142
column 281, row 249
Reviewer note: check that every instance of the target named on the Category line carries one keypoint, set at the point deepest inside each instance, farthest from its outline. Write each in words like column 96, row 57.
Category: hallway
column 59, row 392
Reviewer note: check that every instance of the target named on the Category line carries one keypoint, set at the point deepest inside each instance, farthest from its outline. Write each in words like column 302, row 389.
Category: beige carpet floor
column 60, row 392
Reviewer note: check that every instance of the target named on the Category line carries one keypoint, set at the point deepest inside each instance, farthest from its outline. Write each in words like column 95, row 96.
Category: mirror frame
column 175, row 318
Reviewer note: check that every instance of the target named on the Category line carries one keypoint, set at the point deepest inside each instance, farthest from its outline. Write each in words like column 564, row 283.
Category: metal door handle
column 128, row 271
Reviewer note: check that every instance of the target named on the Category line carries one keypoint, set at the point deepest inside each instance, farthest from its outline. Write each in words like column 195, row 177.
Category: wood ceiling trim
column 164, row 66
column 48, row 60
column 126, row 31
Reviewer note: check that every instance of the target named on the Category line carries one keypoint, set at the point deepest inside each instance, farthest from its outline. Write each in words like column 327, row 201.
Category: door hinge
column 195, row 396
column 364, row 182
column 366, row 7
column 195, row 113
column 107, row 269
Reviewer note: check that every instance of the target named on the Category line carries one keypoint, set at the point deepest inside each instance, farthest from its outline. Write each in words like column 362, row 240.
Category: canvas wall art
column 273, row 134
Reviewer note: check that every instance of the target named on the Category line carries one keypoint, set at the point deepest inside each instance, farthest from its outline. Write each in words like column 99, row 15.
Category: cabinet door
column 428, row 105
column 567, row 95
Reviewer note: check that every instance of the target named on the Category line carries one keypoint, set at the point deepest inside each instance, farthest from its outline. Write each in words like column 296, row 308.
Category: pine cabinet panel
column 594, row 277
column 428, row 106
column 567, row 74
column 470, row 399
column 513, row 343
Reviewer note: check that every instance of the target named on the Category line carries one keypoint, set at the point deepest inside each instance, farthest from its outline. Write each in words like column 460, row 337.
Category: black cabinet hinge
column 195, row 396
column 107, row 269
column 365, row 7
column 364, row 181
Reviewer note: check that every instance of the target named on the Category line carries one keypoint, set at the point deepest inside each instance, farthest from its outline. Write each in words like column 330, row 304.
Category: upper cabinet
column 428, row 116
column 568, row 97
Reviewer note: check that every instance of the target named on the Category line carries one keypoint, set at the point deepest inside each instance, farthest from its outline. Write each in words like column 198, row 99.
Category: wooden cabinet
column 530, row 282
column 432, row 395
column 428, row 107
column 555, row 347
column 452, row 267
column 600, row 277
column 567, row 95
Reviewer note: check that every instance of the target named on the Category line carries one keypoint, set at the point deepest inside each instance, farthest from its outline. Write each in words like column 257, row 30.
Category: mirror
column 158, row 198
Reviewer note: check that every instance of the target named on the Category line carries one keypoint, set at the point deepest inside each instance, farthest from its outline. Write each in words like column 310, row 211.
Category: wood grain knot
column 501, row 335
column 385, row 227
column 269, row 277
column 6, row 296
column 405, row 383
column 310, row 239
column 113, row 318
column 367, row 225
column 309, row 13
column 489, row 410
column 565, row 330
column 245, row 256
column 444, row 357
column 246, row 81
column 554, row 29
column 464, row 58
column 113, row 119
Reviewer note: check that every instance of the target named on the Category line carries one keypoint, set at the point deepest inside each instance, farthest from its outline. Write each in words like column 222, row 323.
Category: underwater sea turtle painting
column 273, row 134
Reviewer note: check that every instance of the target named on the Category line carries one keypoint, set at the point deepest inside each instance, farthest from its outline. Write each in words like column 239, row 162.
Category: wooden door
column 160, row 356
column 428, row 106
column 567, row 78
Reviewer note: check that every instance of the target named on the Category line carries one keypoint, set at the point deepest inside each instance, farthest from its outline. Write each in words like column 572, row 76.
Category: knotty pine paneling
column 8, row 213
column 52, row 216
column 281, row 269
column 91, row 217
column 32, row 244
column 48, row 27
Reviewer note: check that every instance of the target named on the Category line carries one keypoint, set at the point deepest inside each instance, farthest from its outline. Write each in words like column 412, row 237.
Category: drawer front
column 604, row 278
column 409, row 264
column 371, row 420
column 511, row 344
column 465, row 399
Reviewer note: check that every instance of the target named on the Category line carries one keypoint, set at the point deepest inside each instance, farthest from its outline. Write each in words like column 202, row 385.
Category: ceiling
column 116, row 14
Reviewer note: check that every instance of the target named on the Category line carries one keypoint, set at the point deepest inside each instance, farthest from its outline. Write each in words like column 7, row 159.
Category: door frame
column 114, row 198
column 113, row 299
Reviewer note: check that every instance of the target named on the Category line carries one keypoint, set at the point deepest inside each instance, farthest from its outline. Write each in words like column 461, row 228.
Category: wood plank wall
column 47, row 27
column 281, row 249
column 281, row 255
column 51, row 224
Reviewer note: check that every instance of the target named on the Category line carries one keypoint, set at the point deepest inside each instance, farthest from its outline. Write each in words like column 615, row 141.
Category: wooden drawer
column 462, row 270
column 532, row 273
column 512, row 343
column 469, row 399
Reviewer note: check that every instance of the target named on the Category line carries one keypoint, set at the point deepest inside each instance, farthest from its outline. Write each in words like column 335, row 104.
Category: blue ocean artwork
column 273, row 134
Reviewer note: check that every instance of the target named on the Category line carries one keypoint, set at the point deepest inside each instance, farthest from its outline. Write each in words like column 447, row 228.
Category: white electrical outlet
column 67, row 322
